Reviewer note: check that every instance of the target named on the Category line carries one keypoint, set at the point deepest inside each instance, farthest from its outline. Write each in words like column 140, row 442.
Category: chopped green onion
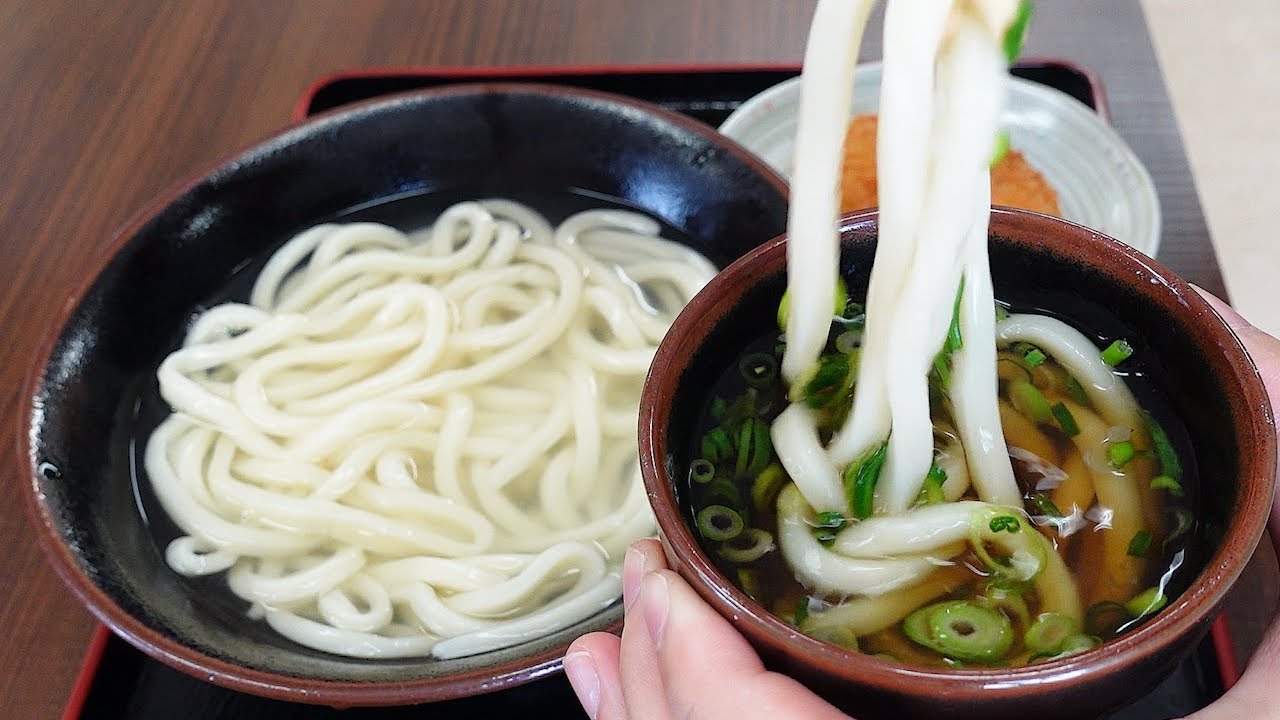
column 1164, row 482
column 802, row 611
column 827, row 524
column 837, row 306
column 1034, row 357
column 1065, row 419
column 1002, row 311
column 1044, row 505
column 718, row 408
column 1016, row 34
column 749, row 546
column 1117, row 352
column 722, row 491
column 942, row 370
column 758, row 369
column 716, row 445
column 1076, row 391
column 830, row 519
column 1028, row 400
column 719, row 523
column 1120, row 453
column 860, row 480
column 1048, row 633
column 961, row 630
column 931, row 493
column 1147, row 602
column 1169, row 463
column 1140, row 544
column 1077, row 644
column 954, row 340
column 766, row 486
column 754, row 448
column 749, row 581
column 1007, row 523
column 829, row 381
column 1001, row 147
column 701, row 471
column 1106, row 618
column 847, row 341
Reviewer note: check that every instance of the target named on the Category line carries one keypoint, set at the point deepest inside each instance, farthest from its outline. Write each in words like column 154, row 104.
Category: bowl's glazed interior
column 429, row 148
column 1199, row 368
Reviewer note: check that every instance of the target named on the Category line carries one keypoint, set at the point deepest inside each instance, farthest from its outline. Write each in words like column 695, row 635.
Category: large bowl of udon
column 1070, row 599
column 350, row 418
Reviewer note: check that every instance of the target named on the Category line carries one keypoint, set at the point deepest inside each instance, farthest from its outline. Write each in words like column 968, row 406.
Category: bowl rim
column 206, row 667
column 1192, row 610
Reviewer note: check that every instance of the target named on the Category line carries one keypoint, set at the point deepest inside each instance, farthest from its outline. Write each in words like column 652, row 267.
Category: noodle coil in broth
column 925, row 475
column 422, row 443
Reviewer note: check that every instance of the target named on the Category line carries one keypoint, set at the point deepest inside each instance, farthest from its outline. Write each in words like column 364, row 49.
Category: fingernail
column 632, row 574
column 581, row 670
column 657, row 602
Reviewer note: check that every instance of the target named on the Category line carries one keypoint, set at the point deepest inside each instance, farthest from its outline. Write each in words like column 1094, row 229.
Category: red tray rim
column 465, row 73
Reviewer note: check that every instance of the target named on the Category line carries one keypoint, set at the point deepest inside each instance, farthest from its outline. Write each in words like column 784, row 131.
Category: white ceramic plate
column 1099, row 181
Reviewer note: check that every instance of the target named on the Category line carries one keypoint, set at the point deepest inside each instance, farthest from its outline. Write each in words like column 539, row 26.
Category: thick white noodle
column 813, row 251
column 423, row 443
column 942, row 92
column 911, row 40
column 1080, row 357
column 970, row 85
column 975, row 388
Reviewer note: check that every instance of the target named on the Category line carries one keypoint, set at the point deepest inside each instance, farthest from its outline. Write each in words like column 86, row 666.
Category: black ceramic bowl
column 423, row 151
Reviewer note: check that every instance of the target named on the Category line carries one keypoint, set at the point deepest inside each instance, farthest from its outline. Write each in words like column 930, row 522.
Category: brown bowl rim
column 1192, row 610
column 336, row 693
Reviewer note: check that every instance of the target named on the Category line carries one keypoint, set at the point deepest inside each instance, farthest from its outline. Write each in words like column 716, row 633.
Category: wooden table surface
column 109, row 103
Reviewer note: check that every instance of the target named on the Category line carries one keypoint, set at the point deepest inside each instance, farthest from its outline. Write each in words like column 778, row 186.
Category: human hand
column 679, row 658
column 1254, row 696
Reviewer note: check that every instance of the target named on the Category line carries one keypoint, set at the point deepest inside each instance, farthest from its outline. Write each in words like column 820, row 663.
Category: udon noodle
column 897, row 451
column 424, row 443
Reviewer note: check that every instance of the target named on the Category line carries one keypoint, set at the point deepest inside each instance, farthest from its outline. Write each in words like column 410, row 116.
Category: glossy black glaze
column 492, row 140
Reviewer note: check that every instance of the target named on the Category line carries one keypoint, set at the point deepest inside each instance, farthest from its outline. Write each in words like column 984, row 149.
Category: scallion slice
column 1147, row 602
column 754, row 448
column 1120, row 453
column 1140, row 544
column 701, row 471
column 758, row 369
column 1065, row 419
column 860, row 480
column 1168, row 484
column 1169, row 463
column 749, row 546
column 1028, row 400
column 961, row 630
column 1117, row 352
column 1076, row 391
column 931, row 493
column 766, row 486
column 719, row 523
column 1034, row 357
column 1048, row 633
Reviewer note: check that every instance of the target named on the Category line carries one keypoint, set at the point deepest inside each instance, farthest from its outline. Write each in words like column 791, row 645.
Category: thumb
column 1263, row 348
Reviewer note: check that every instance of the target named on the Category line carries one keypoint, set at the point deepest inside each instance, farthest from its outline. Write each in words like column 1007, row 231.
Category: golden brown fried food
column 1014, row 182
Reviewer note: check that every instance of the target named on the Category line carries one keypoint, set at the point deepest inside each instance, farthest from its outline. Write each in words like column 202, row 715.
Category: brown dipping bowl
column 1099, row 285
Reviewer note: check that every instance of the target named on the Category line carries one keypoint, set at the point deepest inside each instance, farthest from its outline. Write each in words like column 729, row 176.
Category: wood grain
column 108, row 103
